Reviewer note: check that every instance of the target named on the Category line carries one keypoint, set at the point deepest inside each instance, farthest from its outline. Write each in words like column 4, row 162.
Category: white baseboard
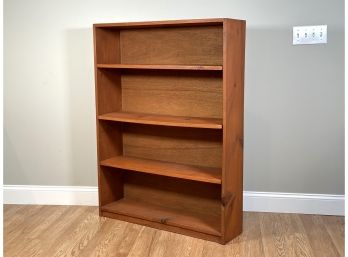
column 253, row 201
column 50, row 195
column 324, row 204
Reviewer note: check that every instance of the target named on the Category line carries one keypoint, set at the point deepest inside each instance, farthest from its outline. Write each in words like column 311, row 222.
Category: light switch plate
column 307, row 35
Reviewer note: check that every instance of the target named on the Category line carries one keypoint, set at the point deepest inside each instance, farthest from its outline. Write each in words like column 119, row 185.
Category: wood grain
column 160, row 226
column 108, row 91
column 107, row 45
column 160, row 66
column 233, row 120
column 186, row 195
column 81, row 236
column 78, row 231
column 108, row 98
column 108, row 236
column 169, row 216
column 109, row 145
column 198, row 147
column 168, row 23
column 144, row 242
column 177, row 45
column 203, row 174
column 319, row 239
column 112, row 185
column 179, row 93
column 16, row 226
column 44, row 240
column 335, row 227
column 190, row 199
column 163, row 120
column 249, row 243
column 284, row 235
column 126, row 243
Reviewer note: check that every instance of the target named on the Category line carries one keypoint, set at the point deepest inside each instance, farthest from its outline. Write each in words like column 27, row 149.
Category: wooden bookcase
column 169, row 103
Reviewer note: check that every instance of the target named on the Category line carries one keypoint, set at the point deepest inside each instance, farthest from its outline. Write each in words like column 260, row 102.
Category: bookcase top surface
column 166, row 23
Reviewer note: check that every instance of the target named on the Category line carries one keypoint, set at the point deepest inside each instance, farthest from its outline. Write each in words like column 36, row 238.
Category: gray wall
column 294, row 116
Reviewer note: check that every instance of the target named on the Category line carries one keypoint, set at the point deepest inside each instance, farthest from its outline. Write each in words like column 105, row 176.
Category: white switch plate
column 307, row 35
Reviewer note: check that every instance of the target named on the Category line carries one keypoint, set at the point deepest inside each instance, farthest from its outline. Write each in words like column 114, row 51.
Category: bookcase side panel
column 108, row 91
column 110, row 186
column 107, row 45
column 108, row 98
column 233, row 111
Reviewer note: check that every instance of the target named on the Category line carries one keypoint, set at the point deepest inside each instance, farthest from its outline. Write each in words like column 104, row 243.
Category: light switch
column 307, row 35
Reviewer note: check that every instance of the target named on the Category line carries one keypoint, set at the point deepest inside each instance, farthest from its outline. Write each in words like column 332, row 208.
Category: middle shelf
column 161, row 67
column 165, row 120
column 169, row 169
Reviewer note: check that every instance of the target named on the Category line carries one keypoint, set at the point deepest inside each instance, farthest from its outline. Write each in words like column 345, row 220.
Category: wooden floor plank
column 107, row 237
column 79, row 231
column 335, row 227
column 48, row 222
column 51, row 235
column 249, row 244
column 300, row 240
column 320, row 240
column 33, row 245
column 52, row 241
column 177, row 246
column 19, row 217
column 160, row 244
column 187, row 246
column 81, row 236
column 20, row 234
column 211, row 249
column 10, row 209
column 273, row 235
column 284, row 235
column 129, row 237
column 144, row 243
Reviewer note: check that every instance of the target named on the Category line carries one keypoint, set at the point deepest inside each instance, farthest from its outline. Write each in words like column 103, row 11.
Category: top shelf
column 160, row 67
column 168, row 23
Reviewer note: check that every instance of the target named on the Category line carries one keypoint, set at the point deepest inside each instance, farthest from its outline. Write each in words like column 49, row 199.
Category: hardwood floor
column 33, row 230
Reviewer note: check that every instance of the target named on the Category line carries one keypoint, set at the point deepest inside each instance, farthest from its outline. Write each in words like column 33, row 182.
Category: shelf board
column 164, row 120
column 168, row 23
column 160, row 66
column 189, row 172
column 165, row 215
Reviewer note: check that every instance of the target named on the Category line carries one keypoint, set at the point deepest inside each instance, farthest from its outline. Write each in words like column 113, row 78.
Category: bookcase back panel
column 172, row 45
column 201, row 147
column 180, row 93
column 188, row 196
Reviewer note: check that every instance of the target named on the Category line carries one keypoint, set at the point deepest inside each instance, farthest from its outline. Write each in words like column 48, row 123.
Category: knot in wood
column 164, row 220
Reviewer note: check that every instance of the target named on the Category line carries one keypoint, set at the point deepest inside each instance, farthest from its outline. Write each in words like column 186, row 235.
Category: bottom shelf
column 165, row 215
